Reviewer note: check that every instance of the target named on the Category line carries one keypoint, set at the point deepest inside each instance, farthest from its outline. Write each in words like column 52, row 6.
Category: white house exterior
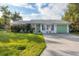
column 47, row 26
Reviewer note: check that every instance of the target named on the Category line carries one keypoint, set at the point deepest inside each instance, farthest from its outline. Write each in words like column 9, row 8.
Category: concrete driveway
column 61, row 45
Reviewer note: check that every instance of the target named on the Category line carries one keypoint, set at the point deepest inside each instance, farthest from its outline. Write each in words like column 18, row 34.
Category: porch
column 44, row 28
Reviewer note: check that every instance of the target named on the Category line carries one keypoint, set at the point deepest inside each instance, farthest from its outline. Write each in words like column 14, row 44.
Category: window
column 43, row 27
column 52, row 27
column 38, row 27
column 47, row 27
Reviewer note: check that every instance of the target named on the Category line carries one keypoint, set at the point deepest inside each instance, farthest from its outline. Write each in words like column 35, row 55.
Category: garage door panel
column 61, row 28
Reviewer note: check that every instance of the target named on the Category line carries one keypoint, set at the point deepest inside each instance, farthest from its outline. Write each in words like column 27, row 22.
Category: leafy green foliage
column 18, row 44
column 16, row 16
column 7, row 16
column 72, row 15
column 2, row 23
column 26, row 28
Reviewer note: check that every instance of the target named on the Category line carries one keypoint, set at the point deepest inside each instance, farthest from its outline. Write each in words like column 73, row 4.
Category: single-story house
column 47, row 26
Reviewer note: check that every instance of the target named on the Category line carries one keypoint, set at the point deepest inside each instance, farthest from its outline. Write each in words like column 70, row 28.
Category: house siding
column 62, row 28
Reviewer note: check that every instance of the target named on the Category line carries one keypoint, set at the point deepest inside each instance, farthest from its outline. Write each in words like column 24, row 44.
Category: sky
column 44, row 11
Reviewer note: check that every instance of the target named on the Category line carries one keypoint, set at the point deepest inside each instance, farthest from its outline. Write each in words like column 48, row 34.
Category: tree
column 16, row 16
column 6, row 15
column 2, row 23
column 72, row 15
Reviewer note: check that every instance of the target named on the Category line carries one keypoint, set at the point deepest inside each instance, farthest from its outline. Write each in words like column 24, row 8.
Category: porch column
column 40, row 27
column 55, row 28
column 35, row 29
column 68, row 28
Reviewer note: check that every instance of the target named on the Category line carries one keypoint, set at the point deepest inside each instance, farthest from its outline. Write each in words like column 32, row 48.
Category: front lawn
column 21, row 44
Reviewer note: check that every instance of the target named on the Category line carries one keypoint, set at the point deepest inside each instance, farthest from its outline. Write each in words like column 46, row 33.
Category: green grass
column 21, row 44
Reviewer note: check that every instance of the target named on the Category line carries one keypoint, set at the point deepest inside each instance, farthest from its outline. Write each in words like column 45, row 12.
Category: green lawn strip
column 21, row 44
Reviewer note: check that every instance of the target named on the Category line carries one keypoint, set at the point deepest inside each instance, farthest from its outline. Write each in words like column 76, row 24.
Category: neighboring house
column 47, row 26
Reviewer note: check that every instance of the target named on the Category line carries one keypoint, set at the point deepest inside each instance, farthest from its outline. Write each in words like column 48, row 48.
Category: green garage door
column 61, row 28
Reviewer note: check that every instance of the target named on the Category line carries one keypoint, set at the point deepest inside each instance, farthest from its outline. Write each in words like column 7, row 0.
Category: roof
column 41, row 22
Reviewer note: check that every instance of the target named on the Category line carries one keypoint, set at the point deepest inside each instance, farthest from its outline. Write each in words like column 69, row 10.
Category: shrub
column 22, row 28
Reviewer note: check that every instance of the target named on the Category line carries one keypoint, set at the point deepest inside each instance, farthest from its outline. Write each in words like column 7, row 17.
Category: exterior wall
column 62, row 28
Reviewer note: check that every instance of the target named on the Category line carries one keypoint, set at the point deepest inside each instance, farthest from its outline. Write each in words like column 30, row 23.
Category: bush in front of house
column 74, row 27
column 15, row 28
column 22, row 28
